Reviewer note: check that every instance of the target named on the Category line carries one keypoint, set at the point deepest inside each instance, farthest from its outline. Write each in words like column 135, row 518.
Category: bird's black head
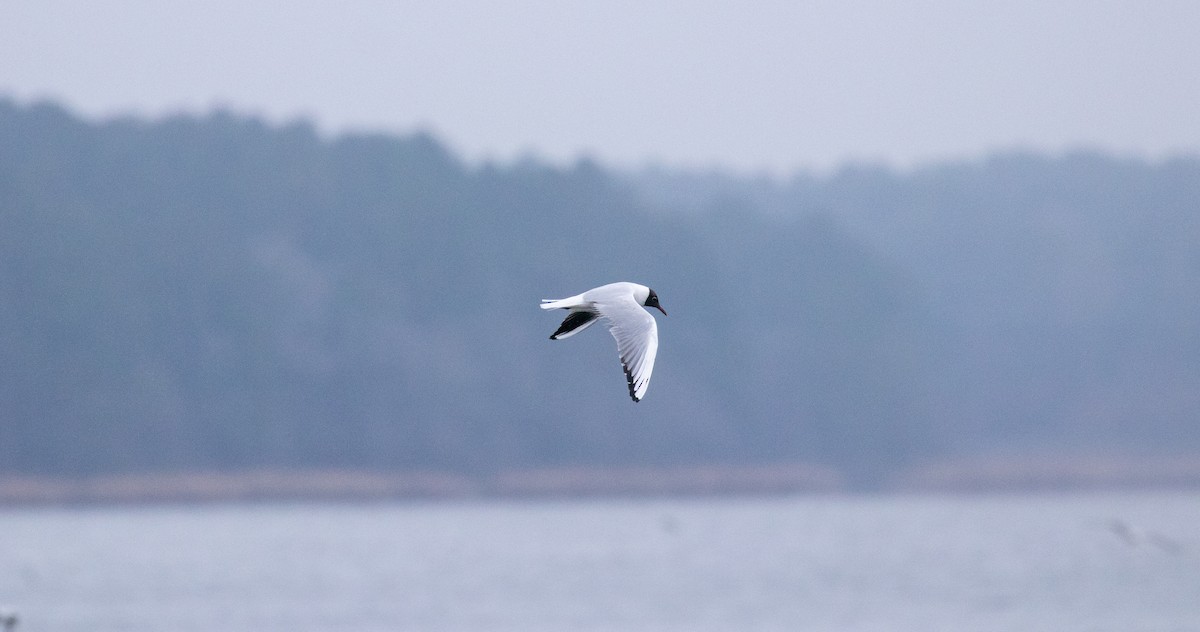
column 652, row 301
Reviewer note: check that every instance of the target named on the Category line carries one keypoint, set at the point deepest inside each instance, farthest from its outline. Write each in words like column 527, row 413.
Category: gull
column 620, row 306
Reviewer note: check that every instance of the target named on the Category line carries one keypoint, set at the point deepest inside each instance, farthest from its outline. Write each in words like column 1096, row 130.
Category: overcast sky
column 746, row 85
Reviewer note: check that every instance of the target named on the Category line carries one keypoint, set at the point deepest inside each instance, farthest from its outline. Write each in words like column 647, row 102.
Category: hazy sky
column 746, row 85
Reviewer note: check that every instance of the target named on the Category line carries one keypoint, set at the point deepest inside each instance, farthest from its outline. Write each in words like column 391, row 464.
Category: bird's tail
column 562, row 303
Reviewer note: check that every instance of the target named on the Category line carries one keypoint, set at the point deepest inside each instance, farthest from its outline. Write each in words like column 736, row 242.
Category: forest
column 217, row 293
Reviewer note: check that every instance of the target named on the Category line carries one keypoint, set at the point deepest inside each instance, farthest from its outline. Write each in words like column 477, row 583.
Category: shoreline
column 981, row 475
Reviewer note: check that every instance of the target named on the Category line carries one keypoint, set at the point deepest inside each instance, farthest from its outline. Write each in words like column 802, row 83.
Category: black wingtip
column 574, row 321
column 629, row 379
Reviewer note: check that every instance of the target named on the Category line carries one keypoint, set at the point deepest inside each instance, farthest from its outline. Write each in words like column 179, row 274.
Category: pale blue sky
column 744, row 85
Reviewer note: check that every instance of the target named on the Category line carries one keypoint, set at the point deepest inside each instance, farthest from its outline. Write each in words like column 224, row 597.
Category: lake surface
column 1094, row 562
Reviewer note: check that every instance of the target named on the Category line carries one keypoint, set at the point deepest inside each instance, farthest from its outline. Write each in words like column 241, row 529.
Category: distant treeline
column 216, row 293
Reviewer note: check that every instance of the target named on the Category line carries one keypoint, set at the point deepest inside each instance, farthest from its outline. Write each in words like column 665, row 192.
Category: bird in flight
column 620, row 305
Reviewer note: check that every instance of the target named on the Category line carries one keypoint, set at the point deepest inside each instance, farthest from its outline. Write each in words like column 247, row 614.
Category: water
column 1022, row 563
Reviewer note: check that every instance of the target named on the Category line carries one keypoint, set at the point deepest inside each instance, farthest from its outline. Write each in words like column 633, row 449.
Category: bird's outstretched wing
column 574, row 323
column 636, row 333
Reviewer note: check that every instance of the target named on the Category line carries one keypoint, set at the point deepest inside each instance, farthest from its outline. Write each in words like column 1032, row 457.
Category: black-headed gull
column 620, row 304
